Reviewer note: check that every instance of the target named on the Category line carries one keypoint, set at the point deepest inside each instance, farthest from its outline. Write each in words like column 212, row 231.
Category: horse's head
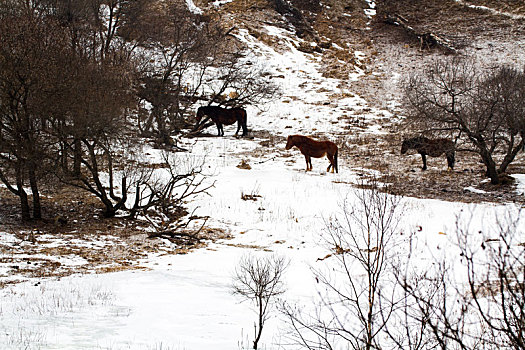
column 200, row 114
column 405, row 146
column 290, row 142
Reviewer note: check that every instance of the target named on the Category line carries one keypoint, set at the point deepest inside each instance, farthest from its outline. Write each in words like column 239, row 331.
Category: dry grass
column 244, row 165
column 381, row 153
column 516, row 7
column 73, row 227
column 82, row 241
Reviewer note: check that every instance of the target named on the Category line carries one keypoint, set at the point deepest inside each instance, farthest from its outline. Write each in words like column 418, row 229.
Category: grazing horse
column 433, row 148
column 317, row 149
column 225, row 116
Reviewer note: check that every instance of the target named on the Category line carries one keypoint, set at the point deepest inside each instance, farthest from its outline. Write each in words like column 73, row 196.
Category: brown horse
column 224, row 116
column 317, row 149
column 433, row 148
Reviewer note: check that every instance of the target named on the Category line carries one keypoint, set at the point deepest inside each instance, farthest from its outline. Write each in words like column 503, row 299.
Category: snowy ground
column 185, row 301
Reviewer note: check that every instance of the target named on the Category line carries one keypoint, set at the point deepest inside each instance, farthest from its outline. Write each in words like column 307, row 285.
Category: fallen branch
column 180, row 232
column 199, row 127
column 264, row 161
column 172, row 234
column 426, row 40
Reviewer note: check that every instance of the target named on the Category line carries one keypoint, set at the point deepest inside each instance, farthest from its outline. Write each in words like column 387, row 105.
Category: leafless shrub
column 242, row 81
column 356, row 304
column 179, row 49
column 481, row 308
column 259, row 280
column 160, row 197
column 496, row 281
column 423, row 307
column 253, row 195
column 71, row 80
column 485, row 108
column 32, row 58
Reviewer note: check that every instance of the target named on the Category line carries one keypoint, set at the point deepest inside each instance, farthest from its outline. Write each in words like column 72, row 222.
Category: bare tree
column 241, row 82
column 32, row 53
column 482, row 307
column 161, row 194
column 93, row 24
column 430, row 314
column 410, row 325
column 487, row 109
column 357, row 303
column 98, row 160
column 93, row 27
column 91, row 131
column 496, row 281
column 180, row 47
column 67, row 87
column 189, row 57
column 504, row 89
column 259, row 279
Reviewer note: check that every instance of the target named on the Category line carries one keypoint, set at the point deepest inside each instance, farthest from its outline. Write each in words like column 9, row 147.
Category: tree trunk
column 162, row 133
column 77, row 157
column 109, row 211
column 24, row 203
column 63, row 159
column 37, row 208
column 261, row 323
column 18, row 191
column 492, row 173
column 511, row 154
column 486, row 158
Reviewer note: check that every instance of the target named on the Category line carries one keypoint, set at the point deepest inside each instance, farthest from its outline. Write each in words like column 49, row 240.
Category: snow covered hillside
column 185, row 301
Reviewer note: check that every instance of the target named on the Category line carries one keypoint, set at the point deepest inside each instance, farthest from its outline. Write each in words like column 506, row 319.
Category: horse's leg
column 331, row 165
column 306, row 158
column 424, row 157
column 244, row 127
column 238, row 128
column 310, row 162
column 335, row 161
column 451, row 160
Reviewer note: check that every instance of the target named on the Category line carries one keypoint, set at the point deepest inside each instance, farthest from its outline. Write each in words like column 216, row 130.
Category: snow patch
column 491, row 10
column 193, row 8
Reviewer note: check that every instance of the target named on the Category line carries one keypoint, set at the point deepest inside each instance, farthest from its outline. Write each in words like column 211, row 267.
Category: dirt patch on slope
column 490, row 36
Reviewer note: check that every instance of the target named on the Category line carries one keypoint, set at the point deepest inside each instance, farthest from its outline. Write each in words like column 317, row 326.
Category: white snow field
column 185, row 301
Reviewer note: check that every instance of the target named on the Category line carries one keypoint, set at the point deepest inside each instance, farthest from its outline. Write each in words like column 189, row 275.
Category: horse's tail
column 451, row 155
column 451, row 158
column 244, row 122
column 335, row 160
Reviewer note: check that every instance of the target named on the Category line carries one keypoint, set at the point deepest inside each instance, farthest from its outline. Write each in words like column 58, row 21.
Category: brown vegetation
column 77, row 137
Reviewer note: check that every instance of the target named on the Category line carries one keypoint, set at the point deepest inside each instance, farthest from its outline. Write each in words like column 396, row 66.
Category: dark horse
column 433, row 148
column 225, row 116
column 317, row 149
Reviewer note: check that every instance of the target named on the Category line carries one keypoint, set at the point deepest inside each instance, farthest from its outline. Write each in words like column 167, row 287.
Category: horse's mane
column 209, row 107
column 416, row 139
column 220, row 108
